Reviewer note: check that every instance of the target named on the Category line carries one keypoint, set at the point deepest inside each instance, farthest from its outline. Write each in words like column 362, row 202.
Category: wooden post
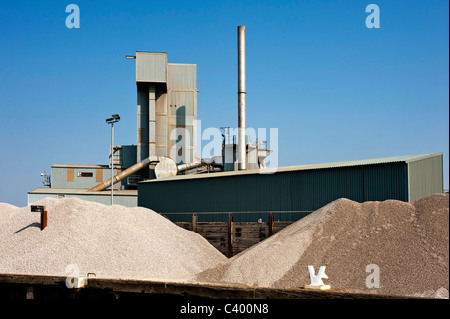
column 43, row 219
column 30, row 292
column 194, row 222
column 271, row 221
column 41, row 209
column 230, row 235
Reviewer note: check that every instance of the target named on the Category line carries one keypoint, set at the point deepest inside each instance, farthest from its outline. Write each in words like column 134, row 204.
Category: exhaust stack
column 241, row 148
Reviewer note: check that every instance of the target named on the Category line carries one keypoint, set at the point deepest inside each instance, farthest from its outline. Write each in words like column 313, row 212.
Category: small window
column 85, row 174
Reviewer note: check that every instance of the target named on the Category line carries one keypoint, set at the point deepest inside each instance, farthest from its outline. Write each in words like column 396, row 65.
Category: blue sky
column 335, row 89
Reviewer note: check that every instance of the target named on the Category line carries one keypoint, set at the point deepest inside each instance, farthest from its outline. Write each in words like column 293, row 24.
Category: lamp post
column 114, row 119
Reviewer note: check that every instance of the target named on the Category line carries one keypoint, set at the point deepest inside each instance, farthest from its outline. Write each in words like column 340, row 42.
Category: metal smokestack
column 241, row 147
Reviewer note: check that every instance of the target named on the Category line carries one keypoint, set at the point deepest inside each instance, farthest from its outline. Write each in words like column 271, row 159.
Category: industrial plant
column 164, row 161
column 159, row 220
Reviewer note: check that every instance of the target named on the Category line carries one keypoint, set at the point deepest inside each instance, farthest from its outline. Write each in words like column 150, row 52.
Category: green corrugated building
column 291, row 192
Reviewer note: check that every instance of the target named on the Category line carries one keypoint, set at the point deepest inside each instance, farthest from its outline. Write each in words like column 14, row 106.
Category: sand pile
column 409, row 242
column 110, row 241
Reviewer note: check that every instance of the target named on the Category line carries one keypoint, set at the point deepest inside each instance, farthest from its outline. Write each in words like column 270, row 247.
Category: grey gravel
column 110, row 241
column 409, row 242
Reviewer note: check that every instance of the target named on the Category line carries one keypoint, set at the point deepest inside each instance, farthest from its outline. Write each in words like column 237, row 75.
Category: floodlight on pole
column 111, row 120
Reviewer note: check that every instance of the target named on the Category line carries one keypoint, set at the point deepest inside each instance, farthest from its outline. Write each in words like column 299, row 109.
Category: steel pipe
column 241, row 150
column 185, row 167
column 124, row 174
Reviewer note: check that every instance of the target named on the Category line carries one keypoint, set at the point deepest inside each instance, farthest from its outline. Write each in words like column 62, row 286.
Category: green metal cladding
column 289, row 193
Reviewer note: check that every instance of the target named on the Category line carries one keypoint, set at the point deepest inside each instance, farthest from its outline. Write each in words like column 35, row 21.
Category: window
column 85, row 174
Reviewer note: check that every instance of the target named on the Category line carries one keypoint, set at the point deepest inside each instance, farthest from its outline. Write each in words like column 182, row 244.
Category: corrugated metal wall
column 296, row 192
column 425, row 177
column 182, row 111
column 182, row 76
column 68, row 177
column 151, row 67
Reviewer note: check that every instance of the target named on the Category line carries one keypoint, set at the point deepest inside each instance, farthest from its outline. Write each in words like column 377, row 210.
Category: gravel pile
column 409, row 242
column 110, row 241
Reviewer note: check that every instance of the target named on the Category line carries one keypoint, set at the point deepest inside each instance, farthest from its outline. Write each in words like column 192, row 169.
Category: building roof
column 82, row 191
column 78, row 166
column 398, row 159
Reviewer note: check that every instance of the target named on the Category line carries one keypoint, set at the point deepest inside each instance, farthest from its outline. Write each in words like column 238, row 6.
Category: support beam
column 230, row 236
column 271, row 222
column 142, row 122
column 194, row 222
column 151, row 120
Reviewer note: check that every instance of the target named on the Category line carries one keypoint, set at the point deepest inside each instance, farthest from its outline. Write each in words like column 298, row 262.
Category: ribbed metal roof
column 81, row 191
column 396, row 159
column 78, row 166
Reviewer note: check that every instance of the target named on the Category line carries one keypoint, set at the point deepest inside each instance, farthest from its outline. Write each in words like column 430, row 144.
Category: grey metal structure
column 256, row 154
column 166, row 108
column 166, row 128
column 124, row 156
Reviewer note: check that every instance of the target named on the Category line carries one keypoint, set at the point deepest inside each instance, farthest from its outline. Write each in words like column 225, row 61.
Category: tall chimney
column 241, row 147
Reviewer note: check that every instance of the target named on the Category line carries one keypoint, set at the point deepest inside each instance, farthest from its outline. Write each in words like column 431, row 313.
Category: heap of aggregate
column 406, row 244
column 109, row 241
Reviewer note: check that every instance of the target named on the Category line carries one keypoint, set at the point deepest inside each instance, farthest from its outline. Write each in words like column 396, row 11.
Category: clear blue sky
column 335, row 89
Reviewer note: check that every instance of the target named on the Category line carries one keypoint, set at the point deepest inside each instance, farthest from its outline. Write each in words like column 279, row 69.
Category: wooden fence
column 231, row 237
